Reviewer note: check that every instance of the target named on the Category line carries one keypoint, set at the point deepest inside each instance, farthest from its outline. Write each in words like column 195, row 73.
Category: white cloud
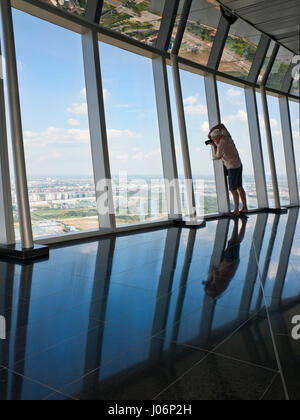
column 78, row 108
column 153, row 153
column 81, row 108
column 106, row 94
column 191, row 100
column 205, row 127
column 56, row 136
column 274, row 123
column 113, row 133
column 296, row 135
column 73, row 122
column 240, row 116
column 192, row 107
column 233, row 93
column 197, row 109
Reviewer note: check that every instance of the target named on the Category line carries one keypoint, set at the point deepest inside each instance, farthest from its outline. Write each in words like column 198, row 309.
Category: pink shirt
column 227, row 151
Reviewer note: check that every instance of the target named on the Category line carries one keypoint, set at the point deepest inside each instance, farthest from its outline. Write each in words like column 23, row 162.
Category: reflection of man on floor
column 221, row 277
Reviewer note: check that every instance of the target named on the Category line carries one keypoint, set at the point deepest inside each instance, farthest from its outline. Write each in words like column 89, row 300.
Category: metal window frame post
column 256, row 148
column 16, row 125
column 98, row 133
column 7, row 233
column 289, row 151
column 168, row 151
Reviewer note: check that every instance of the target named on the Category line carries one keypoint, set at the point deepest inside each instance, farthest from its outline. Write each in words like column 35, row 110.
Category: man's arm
column 218, row 151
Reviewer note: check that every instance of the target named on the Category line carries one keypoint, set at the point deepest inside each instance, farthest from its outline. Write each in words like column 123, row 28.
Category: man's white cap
column 216, row 133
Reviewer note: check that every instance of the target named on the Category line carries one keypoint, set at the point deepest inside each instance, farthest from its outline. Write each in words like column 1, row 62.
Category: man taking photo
column 225, row 150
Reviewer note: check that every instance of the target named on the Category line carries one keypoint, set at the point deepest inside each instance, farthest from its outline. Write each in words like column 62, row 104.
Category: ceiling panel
column 278, row 18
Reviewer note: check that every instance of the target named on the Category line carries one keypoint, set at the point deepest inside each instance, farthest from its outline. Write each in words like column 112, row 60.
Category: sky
column 54, row 109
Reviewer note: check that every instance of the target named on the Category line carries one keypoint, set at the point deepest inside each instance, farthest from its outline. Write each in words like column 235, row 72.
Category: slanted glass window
column 56, row 130
column 137, row 19
column 200, row 31
column 197, row 129
column 235, row 117
column 279, row 69
column 77, row 7
column 277, row 138
column 266, row 62
column 240, row 50
column 133, row 136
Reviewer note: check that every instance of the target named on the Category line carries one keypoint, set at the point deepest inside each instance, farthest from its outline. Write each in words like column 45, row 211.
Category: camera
column 209, row 142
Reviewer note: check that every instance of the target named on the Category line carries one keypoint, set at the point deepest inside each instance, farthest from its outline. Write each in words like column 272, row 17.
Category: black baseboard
column 15, row 253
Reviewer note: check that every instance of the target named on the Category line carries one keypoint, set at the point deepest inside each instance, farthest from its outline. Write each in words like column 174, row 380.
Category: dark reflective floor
column 171, row 314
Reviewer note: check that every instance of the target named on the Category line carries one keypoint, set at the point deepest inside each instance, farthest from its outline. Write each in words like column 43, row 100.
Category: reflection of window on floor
column 295, row 115
column 278, row 149
column 55, row 124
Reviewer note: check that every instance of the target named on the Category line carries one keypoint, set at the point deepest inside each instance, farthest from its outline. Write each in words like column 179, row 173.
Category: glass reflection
column 222, row 275
column 136, row 19
column 127, row 304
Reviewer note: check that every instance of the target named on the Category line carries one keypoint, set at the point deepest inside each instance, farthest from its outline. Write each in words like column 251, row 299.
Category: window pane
column 234, row 116
column 77, row 7
column 136, row 19
column 200, row 31
column 295, row 119
column 278, row 149
column 295, row 90
column 279, row 69
column 265, row 151
column 240, row 50
column 177, row 21
column 133, row 135
column 266, row 61
column 197, row 129
column 55, row 124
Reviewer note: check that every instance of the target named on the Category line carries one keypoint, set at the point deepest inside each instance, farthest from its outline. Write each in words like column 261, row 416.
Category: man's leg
column 236, row 200
column 242, row 194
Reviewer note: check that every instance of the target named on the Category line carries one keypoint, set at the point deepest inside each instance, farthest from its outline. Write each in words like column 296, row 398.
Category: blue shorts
column 235, row 178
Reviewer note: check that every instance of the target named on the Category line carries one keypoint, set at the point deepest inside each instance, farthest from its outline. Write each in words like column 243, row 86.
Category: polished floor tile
column 252, row 344
column 138, row 374
column 275, row 392
column 218, row 378
column 289, row 353
column 14, row 387
column 78, row 356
